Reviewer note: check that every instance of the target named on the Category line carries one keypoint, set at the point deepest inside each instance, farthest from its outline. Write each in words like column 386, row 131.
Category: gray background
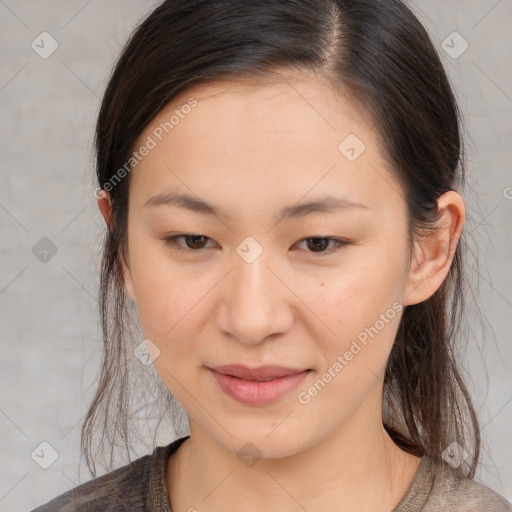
column 50, row 345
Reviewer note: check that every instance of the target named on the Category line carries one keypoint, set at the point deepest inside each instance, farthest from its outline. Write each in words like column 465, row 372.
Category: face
column 318, row 291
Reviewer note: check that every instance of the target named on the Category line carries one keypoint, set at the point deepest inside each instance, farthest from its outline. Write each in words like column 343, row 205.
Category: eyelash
column 171, row 241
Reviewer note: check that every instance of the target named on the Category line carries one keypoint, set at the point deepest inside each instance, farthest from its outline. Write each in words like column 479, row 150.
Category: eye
column 319, row 244
column 194, row 243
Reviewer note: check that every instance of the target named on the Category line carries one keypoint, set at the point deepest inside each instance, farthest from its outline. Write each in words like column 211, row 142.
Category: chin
column 263, row 441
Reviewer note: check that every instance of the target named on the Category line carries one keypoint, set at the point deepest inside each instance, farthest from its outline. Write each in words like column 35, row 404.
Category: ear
column 105, row 206
column 433, row 254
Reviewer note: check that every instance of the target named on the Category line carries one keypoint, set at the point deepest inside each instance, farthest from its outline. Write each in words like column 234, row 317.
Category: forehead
column 277, row 136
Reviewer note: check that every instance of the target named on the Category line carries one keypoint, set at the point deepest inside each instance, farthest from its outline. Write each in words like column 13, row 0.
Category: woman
column 281, row 185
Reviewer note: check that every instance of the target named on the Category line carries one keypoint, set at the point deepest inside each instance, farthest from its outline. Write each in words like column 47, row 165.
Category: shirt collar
column 157, row 498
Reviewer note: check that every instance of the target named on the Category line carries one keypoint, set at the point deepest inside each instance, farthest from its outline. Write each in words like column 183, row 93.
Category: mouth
column 257, row 386
column 263, row 373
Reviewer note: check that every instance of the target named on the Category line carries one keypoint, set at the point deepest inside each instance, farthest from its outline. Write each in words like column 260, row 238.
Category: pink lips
column 252, row 387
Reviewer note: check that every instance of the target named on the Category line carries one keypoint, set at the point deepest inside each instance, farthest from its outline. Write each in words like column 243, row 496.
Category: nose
column 255, row 302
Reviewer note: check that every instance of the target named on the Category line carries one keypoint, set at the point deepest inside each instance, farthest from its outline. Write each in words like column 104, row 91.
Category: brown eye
column 193, row 242
column 320, row 244
column 196, row 241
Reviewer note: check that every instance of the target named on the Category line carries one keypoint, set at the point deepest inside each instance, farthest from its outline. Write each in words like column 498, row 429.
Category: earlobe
column 105, row 206
column 433, row 254
column 128, row 281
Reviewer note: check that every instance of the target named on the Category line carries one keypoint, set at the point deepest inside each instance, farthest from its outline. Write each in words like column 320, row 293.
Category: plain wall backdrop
column 51, row 226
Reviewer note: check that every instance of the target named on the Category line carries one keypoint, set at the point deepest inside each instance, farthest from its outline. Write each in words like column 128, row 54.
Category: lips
column 263, row 373
column 257, row 386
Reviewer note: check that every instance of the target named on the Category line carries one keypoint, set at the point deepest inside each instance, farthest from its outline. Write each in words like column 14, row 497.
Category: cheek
column 363, row 308
column 360, row 300
column 168, row 297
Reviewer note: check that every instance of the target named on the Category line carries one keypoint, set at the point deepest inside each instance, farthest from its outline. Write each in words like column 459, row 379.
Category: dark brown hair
column 382, row 57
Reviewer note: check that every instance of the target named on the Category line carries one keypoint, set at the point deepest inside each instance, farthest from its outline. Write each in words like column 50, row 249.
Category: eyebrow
column 325, row 204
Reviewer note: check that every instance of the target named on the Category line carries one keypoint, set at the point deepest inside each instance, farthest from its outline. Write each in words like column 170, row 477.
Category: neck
column 339, row 472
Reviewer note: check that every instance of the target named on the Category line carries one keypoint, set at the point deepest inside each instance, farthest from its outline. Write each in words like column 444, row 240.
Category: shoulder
column 452, row 492
column 120, row 490
column 134, row 487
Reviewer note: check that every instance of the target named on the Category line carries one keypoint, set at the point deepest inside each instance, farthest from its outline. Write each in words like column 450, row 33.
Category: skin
column 252, row 149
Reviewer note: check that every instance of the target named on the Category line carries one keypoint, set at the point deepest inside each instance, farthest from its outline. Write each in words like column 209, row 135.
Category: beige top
column 141, row 487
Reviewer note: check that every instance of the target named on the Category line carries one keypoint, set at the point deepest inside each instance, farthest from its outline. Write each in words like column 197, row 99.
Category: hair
column 381, row 56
